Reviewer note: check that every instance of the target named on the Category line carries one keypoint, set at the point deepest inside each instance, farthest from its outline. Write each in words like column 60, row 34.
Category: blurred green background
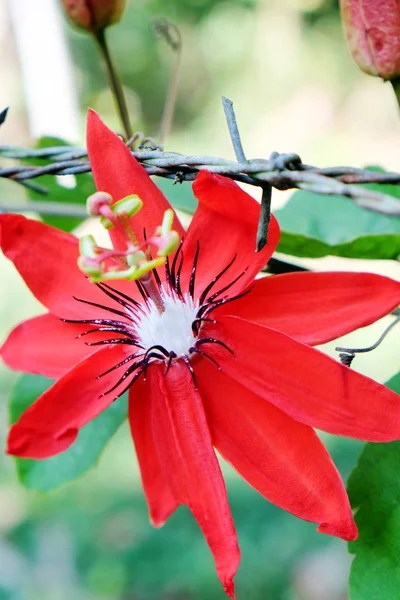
column 286, row 66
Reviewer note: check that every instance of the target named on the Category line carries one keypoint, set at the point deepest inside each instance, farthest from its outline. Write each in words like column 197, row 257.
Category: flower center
column 175, row 332
column 171, row 329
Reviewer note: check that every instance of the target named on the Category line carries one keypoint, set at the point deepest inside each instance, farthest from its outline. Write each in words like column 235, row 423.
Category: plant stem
column 170, row 101
column 62, row 209
column 115, row 83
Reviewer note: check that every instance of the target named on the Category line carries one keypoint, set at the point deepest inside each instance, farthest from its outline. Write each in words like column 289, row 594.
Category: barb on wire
column 233, row 129
column 3, row 115
column 276, row 171
column 264, row 218
column 280, row 171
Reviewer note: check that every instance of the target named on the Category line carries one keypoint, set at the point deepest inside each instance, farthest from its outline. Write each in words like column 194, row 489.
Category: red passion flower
column 226, row 364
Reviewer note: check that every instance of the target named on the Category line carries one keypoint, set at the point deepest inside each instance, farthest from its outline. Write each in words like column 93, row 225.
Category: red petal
column 159, row 497
column 283, row 460
column 225, row 225
column 46, row 258
column 47, row 346
column 185, row 451
column 51, row 424
column 306, row 384
column 315, row 308
column 118, row 173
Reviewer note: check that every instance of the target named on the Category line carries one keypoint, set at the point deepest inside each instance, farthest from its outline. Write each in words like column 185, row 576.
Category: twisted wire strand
column 281, row 171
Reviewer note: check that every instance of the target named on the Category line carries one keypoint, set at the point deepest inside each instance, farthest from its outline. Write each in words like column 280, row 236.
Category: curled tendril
column 347, row 355
column 143, row 142
column 168, row 31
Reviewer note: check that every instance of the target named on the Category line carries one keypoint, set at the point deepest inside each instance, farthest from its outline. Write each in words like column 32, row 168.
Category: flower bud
column 372, row 28
column 94, row 15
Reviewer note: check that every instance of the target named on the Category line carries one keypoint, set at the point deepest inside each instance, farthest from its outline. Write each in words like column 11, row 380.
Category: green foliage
column 106, row 547
column 314, row 225
column 45, row 475
column 145, row 62
column 57, row 192
column 179, row 195
column 374, row 490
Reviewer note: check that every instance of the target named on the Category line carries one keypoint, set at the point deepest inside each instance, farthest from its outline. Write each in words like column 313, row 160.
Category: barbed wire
column 281, row 171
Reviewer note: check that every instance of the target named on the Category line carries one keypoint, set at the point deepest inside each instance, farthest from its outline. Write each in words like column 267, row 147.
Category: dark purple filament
column 139, row 361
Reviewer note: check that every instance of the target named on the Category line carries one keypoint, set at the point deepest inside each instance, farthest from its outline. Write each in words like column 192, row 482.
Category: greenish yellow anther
column 90, row 268
column 149, row 266
column 135, row 258
column 134, row 271
column 126, row 274
column 87, row 246
column 142, row 264
column 128, row 206
column 171, row 240
column 168, row 219
column 106, row 223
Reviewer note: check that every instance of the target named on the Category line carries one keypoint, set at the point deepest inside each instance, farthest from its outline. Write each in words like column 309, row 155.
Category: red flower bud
column 94, row 15
column 373, row 33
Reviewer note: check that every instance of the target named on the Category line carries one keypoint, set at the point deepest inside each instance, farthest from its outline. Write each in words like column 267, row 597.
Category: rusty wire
column 281, row 171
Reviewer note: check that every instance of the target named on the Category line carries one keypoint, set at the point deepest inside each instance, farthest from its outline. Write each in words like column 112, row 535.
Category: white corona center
column 172, row 328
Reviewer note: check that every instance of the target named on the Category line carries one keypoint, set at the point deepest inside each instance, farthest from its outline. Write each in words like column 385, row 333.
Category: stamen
column 153, row 334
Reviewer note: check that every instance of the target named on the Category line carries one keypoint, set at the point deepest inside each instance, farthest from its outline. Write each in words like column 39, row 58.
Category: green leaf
column 180, row 195
column 57, row 192
column 374, row 490
column 51, row 473
column 315, row 225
